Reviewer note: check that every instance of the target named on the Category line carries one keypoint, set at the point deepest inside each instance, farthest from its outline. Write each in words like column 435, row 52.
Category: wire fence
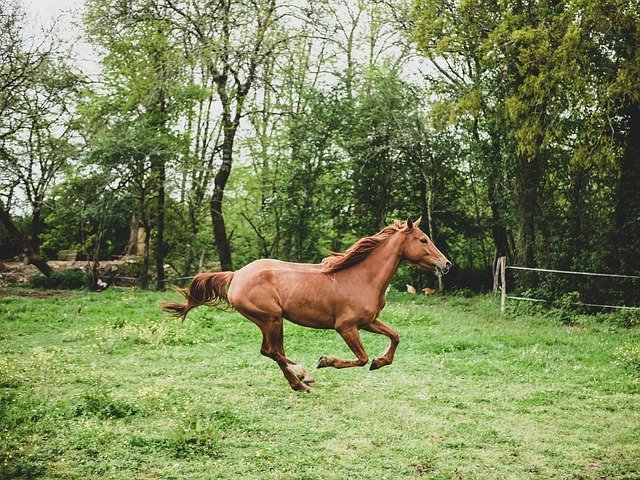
column 513, row 267
column 606, row 293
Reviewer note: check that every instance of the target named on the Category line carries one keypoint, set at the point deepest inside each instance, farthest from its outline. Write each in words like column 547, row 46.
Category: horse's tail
column 205, row 289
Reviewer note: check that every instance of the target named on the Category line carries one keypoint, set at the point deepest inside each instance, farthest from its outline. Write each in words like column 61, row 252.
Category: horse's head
column 420, row 250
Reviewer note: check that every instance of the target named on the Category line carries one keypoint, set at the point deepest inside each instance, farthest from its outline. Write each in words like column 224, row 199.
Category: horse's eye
column 424, row 240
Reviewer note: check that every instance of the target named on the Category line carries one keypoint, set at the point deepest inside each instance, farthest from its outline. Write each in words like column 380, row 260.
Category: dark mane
column 359, row 250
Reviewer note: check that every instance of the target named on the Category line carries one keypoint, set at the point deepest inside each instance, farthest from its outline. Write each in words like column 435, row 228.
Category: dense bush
column 64, row 279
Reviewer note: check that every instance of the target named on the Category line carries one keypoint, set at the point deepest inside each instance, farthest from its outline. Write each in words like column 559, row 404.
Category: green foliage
column 529, row 88
column 62, row 279
column 198, row 435
column 629, row 356
column 8, row 246
column 627, row 318
column 86, row 214
column 134, row 267
column 518, row 140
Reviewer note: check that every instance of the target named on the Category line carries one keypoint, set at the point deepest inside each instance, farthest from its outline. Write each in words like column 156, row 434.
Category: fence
column 500, row 282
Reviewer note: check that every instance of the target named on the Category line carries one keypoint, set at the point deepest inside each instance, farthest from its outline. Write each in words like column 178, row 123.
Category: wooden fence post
column 503, row 278
column 496, row 275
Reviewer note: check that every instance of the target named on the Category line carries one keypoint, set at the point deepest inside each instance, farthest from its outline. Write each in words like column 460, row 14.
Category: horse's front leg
column 378, row 326
column 351, row 336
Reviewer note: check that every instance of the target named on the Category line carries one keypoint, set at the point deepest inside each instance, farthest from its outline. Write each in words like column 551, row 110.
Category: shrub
column 63, row 279
column 133, row 267
column 200, row 435
column 627, row 318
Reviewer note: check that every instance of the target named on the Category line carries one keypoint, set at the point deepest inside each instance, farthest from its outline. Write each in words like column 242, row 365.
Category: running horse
column 345, row 292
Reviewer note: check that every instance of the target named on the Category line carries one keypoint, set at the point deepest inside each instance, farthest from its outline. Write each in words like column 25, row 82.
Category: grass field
column 105, row 386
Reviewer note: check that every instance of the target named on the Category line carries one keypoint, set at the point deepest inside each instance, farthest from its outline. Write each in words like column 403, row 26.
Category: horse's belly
column 311, row 320
column 309, row 313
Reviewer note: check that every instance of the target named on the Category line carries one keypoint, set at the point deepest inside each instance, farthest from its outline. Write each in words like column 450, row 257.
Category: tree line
column 231, row 130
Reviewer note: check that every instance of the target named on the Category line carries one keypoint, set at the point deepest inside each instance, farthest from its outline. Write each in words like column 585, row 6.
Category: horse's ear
column 409, row 224
column 417, row 222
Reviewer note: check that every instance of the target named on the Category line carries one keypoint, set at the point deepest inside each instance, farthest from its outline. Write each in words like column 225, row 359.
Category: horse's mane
column 359, row 250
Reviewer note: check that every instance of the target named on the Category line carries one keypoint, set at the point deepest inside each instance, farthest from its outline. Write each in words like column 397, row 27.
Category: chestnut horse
column 346, row 292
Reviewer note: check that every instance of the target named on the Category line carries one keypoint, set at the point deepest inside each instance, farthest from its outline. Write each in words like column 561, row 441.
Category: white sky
column 68, row 15
column 43, row 12
column 49, row 8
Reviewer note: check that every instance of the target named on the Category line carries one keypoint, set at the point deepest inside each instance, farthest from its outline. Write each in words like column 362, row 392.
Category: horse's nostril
column 447, row 265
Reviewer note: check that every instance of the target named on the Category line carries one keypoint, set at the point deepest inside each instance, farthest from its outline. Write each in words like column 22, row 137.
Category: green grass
column 105, row 386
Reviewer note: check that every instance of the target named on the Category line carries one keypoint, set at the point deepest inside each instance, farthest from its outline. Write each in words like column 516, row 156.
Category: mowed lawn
column 106, row 386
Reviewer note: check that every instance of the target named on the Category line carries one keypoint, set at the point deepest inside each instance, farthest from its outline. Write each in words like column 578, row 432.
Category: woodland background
column 229, row 130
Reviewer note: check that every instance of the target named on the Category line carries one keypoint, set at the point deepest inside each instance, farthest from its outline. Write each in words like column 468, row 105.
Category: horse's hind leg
column 378, row 326
column 351, row 336
column 273, row 347
column 296, row 368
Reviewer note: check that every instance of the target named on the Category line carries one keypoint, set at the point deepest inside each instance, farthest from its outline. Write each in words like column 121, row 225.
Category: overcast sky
column 67, row 13
column 44, row 11
column 50, row 8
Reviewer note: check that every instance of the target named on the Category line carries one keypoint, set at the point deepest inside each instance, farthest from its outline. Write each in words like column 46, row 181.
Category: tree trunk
column 219, row 230
column 160, row 280
column 492, row 154
column 498, row 230
column 134, row 236
column 36, row 229
column 627, row 208
column 144, row 281
column 528, row 181
column 428, row 205
column 528, row 208
column 32, row 257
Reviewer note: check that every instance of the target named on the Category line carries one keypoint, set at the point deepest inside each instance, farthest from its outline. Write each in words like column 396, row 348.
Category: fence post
column 496, row 275
column 503, row 278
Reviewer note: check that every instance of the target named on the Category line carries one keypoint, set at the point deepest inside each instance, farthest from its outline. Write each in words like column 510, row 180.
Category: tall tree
column 234, row 38
column 610, row 37
column 37, row 90
column 454, row 38
column 146, row 75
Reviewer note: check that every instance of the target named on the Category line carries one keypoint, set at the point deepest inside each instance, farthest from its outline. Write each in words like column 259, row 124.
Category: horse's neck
column 381, row 264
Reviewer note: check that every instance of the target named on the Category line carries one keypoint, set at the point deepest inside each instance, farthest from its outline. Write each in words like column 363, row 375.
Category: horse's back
column 297, row 291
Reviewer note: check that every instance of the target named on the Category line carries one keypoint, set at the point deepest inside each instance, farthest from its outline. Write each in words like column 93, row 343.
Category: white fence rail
column 513, row 267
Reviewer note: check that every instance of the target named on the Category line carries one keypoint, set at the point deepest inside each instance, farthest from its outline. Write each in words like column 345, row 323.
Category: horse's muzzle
column 444, row 269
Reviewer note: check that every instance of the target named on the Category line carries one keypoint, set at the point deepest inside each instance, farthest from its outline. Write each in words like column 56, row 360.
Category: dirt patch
column 37, row 293
column 16, row 273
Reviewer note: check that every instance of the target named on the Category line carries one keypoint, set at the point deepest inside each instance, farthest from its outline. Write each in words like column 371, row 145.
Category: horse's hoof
column 297, row 370
column 375, row 364
column 322, row 362
column 302, row 375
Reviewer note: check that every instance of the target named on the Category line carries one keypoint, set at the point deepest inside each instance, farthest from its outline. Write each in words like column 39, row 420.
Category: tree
column 32, row 257
column 454, row 38
column 145, row 71
column 43, row 147
column 234, row 39
column 37, row 94
column 89, row 214
column 610, row 41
